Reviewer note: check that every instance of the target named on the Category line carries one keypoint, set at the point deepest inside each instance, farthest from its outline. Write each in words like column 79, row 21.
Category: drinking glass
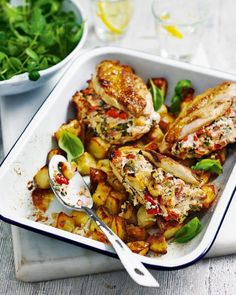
column 111, row 18
column 179, row 26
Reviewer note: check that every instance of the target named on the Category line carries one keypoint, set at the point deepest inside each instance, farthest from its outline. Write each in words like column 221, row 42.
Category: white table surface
column 213, row 276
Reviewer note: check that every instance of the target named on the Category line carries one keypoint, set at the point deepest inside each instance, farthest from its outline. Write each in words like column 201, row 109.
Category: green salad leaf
column 210, row 165
column 157, row 96
column 71, row 144
column 188, row 231
column 35, row 36
column 176, row 100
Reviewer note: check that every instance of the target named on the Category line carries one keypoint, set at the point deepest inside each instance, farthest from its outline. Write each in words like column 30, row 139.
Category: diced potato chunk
column 139, row 247
column 115, row 183
column 104, row 165
column 41, row 178
column 136, row 233
column 145, row 219
column 155, row 134
column 99, row 236
column 114, row 201
column 52, row 153
column 209, row 189
column 168, row 228
column 128, row 212
column 118, row 225
column 68, row 169
column 65, row 222
column 98, row 147
column 100, row 195
column 96, row 176
column 158, row 243
column 85, row 162
column 80, row 218
column 104, row 216
column 42, row 198
column 72, row 126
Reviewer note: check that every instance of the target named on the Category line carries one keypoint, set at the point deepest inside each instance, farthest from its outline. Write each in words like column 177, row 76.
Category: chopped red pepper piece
column 123, row 115
column 112, row 113
column 153, row 211
column 149, row 199
column 60, row 179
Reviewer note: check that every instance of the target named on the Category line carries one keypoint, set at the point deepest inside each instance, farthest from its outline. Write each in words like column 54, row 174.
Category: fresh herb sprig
column 178, row 96
column 210, row 165
column 188, row 231
column 71, row 144
column 35, row 36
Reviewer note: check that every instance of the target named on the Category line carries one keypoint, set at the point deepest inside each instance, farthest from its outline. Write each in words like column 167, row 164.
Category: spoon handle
column 132, row 264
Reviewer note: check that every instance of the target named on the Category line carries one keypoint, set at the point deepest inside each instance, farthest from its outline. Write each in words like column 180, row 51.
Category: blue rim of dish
column 93, row 248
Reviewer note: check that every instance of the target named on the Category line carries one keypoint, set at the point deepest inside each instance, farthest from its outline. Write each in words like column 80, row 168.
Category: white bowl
column 21, row 83
column 29, row 153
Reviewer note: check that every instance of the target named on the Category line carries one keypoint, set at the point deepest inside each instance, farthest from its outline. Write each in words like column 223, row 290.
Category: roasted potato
column 118, row 225
column 68, row 169
column 168, row 228
column 104, row 165
column 42, row 198
column 157, row 243
column 85, row 162
column 96, row 176
column 52, row 153
column 145, row 219
column 165, row 122
column 98, row 147
column 136, row 233
column 114, row 201
column 209, row 189
column 101, row 194
column 139, row 247
column 65, row 222
column 41, row 178
column 72, row 126
column 80, row 218
column 129, row 213
column 155, row 134
column 103, row 214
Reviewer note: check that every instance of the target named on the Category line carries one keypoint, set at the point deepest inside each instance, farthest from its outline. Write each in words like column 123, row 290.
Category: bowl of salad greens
column 37, row 39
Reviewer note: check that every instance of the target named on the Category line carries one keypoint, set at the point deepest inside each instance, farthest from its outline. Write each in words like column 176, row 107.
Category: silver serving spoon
column 76, row 196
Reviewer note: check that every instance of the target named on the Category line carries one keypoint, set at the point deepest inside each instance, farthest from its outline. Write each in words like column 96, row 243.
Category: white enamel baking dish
column 29, row 153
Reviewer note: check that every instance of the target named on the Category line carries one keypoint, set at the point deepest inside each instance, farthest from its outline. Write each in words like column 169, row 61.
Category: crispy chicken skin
column 159, row 183
column 205, row 125
column 121, row 88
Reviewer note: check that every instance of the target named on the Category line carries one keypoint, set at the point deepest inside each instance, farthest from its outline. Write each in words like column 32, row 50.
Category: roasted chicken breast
column 205, row 125
column 121, row 88
column 111, row 124
column 162, row 185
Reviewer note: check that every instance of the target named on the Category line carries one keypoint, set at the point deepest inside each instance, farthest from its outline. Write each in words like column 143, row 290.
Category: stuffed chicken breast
column 206, row 125
column 162, row 185
column 117, row 104
column 121, row 88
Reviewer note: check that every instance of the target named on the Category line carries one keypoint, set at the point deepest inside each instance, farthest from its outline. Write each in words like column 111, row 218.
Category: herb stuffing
column 35, row 36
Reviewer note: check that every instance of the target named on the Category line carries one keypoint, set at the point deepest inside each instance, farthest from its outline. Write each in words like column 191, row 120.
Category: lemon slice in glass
column 172, row 30
column 115, row 15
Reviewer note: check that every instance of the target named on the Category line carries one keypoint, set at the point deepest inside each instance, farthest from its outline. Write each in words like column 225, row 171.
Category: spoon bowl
column 74, row 194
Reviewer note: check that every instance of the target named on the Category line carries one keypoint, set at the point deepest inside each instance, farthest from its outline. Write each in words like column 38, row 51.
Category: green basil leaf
column 188, row 231
column 157, row 96
column 210, row 165
column 71, row 144
column 2, row 56
column 175, row 104
column 182, row 84
column 34, row 75
column 15, row 62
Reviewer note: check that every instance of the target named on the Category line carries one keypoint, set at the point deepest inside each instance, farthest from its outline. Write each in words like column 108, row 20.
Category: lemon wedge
column 115, row 15
column 173, row 31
